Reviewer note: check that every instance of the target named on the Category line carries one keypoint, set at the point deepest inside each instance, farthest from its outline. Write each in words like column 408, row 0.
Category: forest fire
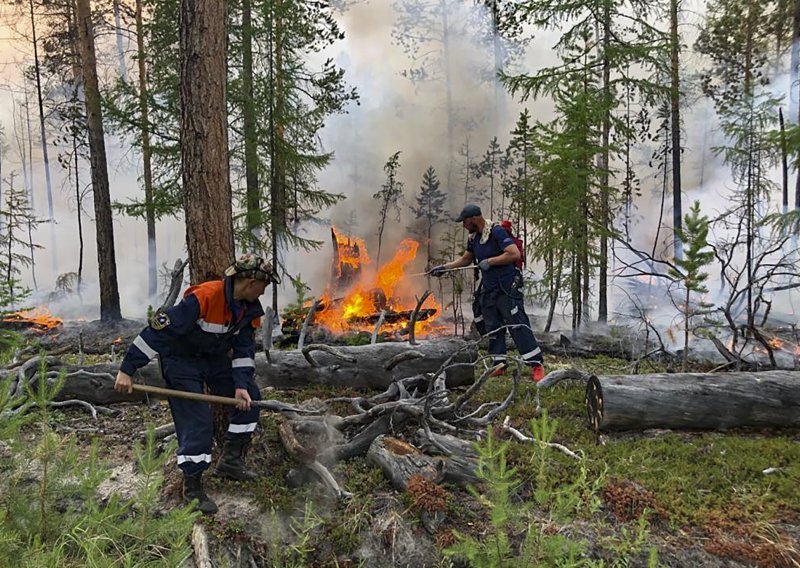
column 358, row 293
column 39, row 319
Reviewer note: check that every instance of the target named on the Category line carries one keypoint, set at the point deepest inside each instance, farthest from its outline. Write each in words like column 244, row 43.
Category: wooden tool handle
column 187, row 395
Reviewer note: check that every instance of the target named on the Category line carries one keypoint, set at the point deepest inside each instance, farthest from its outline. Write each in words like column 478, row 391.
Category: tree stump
column 399, row 461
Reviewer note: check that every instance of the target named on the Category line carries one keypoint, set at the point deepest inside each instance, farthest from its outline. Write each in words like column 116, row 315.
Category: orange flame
column 352, row 252
column 775, row 343
column 39, row 318
column 387, row 289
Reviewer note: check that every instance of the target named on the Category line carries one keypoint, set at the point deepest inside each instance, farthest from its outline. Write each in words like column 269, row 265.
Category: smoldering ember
column 434, row 283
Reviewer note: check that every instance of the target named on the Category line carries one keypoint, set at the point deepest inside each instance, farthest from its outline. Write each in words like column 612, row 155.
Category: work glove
column 437, row 271
column 484, row 264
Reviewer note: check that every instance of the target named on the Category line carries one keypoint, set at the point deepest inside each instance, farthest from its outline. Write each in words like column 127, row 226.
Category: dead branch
column 729, row 356
column 523, row 438
column 378, row 325
column 27, row 371
column 404, row 356
column 202, row 556
column 306, row 322
column 555, row 377
column 266, row 332
column 328, row 479
column 91, row 408
column 175, row 284
column 414, row 315
column 159, row 433
column 308, row 349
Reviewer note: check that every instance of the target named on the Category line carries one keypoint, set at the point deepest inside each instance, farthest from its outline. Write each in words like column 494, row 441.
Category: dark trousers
column 194, row 423
column 500, row 308
column 477, row 315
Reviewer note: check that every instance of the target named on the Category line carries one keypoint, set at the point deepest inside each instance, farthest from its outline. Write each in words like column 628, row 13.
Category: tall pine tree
column 428, row 210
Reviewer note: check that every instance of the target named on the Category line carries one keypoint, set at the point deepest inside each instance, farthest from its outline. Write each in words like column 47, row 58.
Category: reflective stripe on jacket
column 205, row 323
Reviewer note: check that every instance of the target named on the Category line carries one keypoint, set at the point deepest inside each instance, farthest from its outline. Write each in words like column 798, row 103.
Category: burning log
column 394, row 317
column 768, row 399
column 39, row 319
column 349, row 255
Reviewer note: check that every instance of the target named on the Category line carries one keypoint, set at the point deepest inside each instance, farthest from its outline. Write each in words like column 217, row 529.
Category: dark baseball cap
column 469, row 211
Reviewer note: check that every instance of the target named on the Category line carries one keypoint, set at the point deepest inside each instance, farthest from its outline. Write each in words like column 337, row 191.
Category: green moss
column 693, row 476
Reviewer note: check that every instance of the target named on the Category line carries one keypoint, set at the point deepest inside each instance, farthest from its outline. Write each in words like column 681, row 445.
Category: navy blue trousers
column 194, row 423
column 500, row 308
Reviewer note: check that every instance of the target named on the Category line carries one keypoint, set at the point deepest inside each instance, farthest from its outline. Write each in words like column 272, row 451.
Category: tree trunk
column 605, row 197
column 152, row 258
column 123, row 67
column 794, row 74
column 77, row 128
column 769, row 399
column 204, row 138
column 107, row 264
column 277, row 143
column 249, row 119
column 448, row 86
column 45, row 156
column 784, row 164
column 675, row 124
column 78, row 206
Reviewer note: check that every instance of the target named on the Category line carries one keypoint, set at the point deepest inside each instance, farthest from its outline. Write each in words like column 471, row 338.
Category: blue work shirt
column 496, row 242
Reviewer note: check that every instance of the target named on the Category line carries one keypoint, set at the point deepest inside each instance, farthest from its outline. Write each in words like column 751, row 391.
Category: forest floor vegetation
column 78, row 492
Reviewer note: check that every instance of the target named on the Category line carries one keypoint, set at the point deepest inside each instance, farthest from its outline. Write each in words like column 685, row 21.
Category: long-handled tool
column 271, row 405
column 428, row 273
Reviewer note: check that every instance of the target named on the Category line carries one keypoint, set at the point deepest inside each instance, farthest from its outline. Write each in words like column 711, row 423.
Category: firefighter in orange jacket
column 208, row 338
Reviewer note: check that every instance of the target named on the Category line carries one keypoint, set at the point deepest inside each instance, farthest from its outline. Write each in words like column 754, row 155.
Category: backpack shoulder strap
column 496, row 239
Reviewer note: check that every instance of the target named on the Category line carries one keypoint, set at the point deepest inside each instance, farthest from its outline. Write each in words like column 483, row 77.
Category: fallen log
column 367, row 367
column 400, row 461
column 372, row 367
column 768, row 399
column 459, row 462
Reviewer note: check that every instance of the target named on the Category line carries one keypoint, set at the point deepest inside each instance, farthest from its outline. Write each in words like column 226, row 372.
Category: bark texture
column 204, row 138
column 694, row 400
column 106, row 261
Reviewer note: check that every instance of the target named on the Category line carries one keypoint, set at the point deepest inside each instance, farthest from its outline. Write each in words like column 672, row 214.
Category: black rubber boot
column 231, row 462
column 193, row 491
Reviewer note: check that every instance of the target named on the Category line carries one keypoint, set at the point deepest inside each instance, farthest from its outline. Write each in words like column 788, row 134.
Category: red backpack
column 517, row 241
column 521, row 261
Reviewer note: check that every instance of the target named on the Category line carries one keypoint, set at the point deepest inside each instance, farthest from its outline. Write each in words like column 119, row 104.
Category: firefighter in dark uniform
column 208, row 338
column 500, row 295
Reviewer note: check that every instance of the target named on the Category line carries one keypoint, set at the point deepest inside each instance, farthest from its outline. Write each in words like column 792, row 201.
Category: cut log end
column 594, row 403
